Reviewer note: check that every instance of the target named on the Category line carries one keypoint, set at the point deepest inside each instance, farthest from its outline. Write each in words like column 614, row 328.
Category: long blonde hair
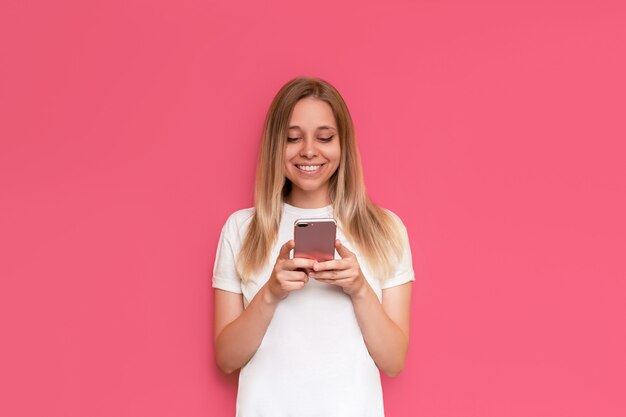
column 374, row 231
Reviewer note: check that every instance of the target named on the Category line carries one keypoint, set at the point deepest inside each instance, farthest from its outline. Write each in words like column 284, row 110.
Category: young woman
column 311, row 344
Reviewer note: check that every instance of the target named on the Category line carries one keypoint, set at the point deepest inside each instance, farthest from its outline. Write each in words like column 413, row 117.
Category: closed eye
column 322, row 139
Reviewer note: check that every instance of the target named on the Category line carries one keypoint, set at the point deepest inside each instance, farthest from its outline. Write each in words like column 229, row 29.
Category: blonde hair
column 376, row 232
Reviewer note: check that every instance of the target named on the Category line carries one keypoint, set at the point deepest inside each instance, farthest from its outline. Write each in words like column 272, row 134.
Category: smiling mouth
column 309, row 168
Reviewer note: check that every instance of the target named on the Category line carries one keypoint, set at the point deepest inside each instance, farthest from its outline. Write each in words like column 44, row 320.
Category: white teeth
column 308, row 167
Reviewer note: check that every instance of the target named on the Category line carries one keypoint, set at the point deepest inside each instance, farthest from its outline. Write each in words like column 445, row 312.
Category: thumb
column 342, row 250
column 285, row 249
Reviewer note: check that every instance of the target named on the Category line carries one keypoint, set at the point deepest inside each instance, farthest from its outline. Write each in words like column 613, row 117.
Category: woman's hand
column 285, row 277
column 345, row 272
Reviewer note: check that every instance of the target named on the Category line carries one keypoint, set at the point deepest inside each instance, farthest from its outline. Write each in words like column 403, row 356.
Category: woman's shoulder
column 238, row 220
column 394, row 217
column 241, row 214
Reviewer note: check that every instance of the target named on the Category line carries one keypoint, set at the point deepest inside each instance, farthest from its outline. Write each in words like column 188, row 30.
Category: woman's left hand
column 345, row 272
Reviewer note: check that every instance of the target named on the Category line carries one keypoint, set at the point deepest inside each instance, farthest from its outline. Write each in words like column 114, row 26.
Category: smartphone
column 315, row 239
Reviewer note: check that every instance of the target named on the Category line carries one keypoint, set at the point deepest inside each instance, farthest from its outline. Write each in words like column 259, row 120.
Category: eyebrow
column 319, row 128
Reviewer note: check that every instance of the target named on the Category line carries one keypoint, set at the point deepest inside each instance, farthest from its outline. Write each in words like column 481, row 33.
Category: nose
column 308, row 149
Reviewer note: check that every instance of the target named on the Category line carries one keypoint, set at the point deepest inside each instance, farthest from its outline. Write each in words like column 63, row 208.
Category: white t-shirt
column 312, row 360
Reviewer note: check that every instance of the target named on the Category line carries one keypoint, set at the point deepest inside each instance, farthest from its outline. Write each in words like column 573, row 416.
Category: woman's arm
column 238, row 331
column 385, row 326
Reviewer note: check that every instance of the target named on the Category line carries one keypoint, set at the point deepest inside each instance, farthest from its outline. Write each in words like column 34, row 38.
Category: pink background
column 129, row 131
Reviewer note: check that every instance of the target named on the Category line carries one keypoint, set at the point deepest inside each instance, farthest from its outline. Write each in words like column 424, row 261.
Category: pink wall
column 129, row 131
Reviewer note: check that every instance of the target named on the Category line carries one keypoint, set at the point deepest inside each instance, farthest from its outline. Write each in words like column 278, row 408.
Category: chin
column 307, row 187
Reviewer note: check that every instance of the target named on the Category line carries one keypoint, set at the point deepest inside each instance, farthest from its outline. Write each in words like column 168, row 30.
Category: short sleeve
column 404, row 269
column 225, row 276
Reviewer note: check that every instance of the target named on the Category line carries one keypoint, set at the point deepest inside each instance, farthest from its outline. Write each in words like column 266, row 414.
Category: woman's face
column 313, row 152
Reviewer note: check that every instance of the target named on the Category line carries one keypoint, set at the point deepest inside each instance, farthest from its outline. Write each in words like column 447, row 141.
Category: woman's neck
column 317, row 199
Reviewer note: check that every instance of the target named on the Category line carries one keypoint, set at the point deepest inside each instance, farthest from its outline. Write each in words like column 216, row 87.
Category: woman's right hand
column 285, row 278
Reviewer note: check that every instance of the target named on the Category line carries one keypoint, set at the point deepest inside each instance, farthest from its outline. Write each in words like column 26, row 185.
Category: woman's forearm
column 385, row 341
column 241, row 338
